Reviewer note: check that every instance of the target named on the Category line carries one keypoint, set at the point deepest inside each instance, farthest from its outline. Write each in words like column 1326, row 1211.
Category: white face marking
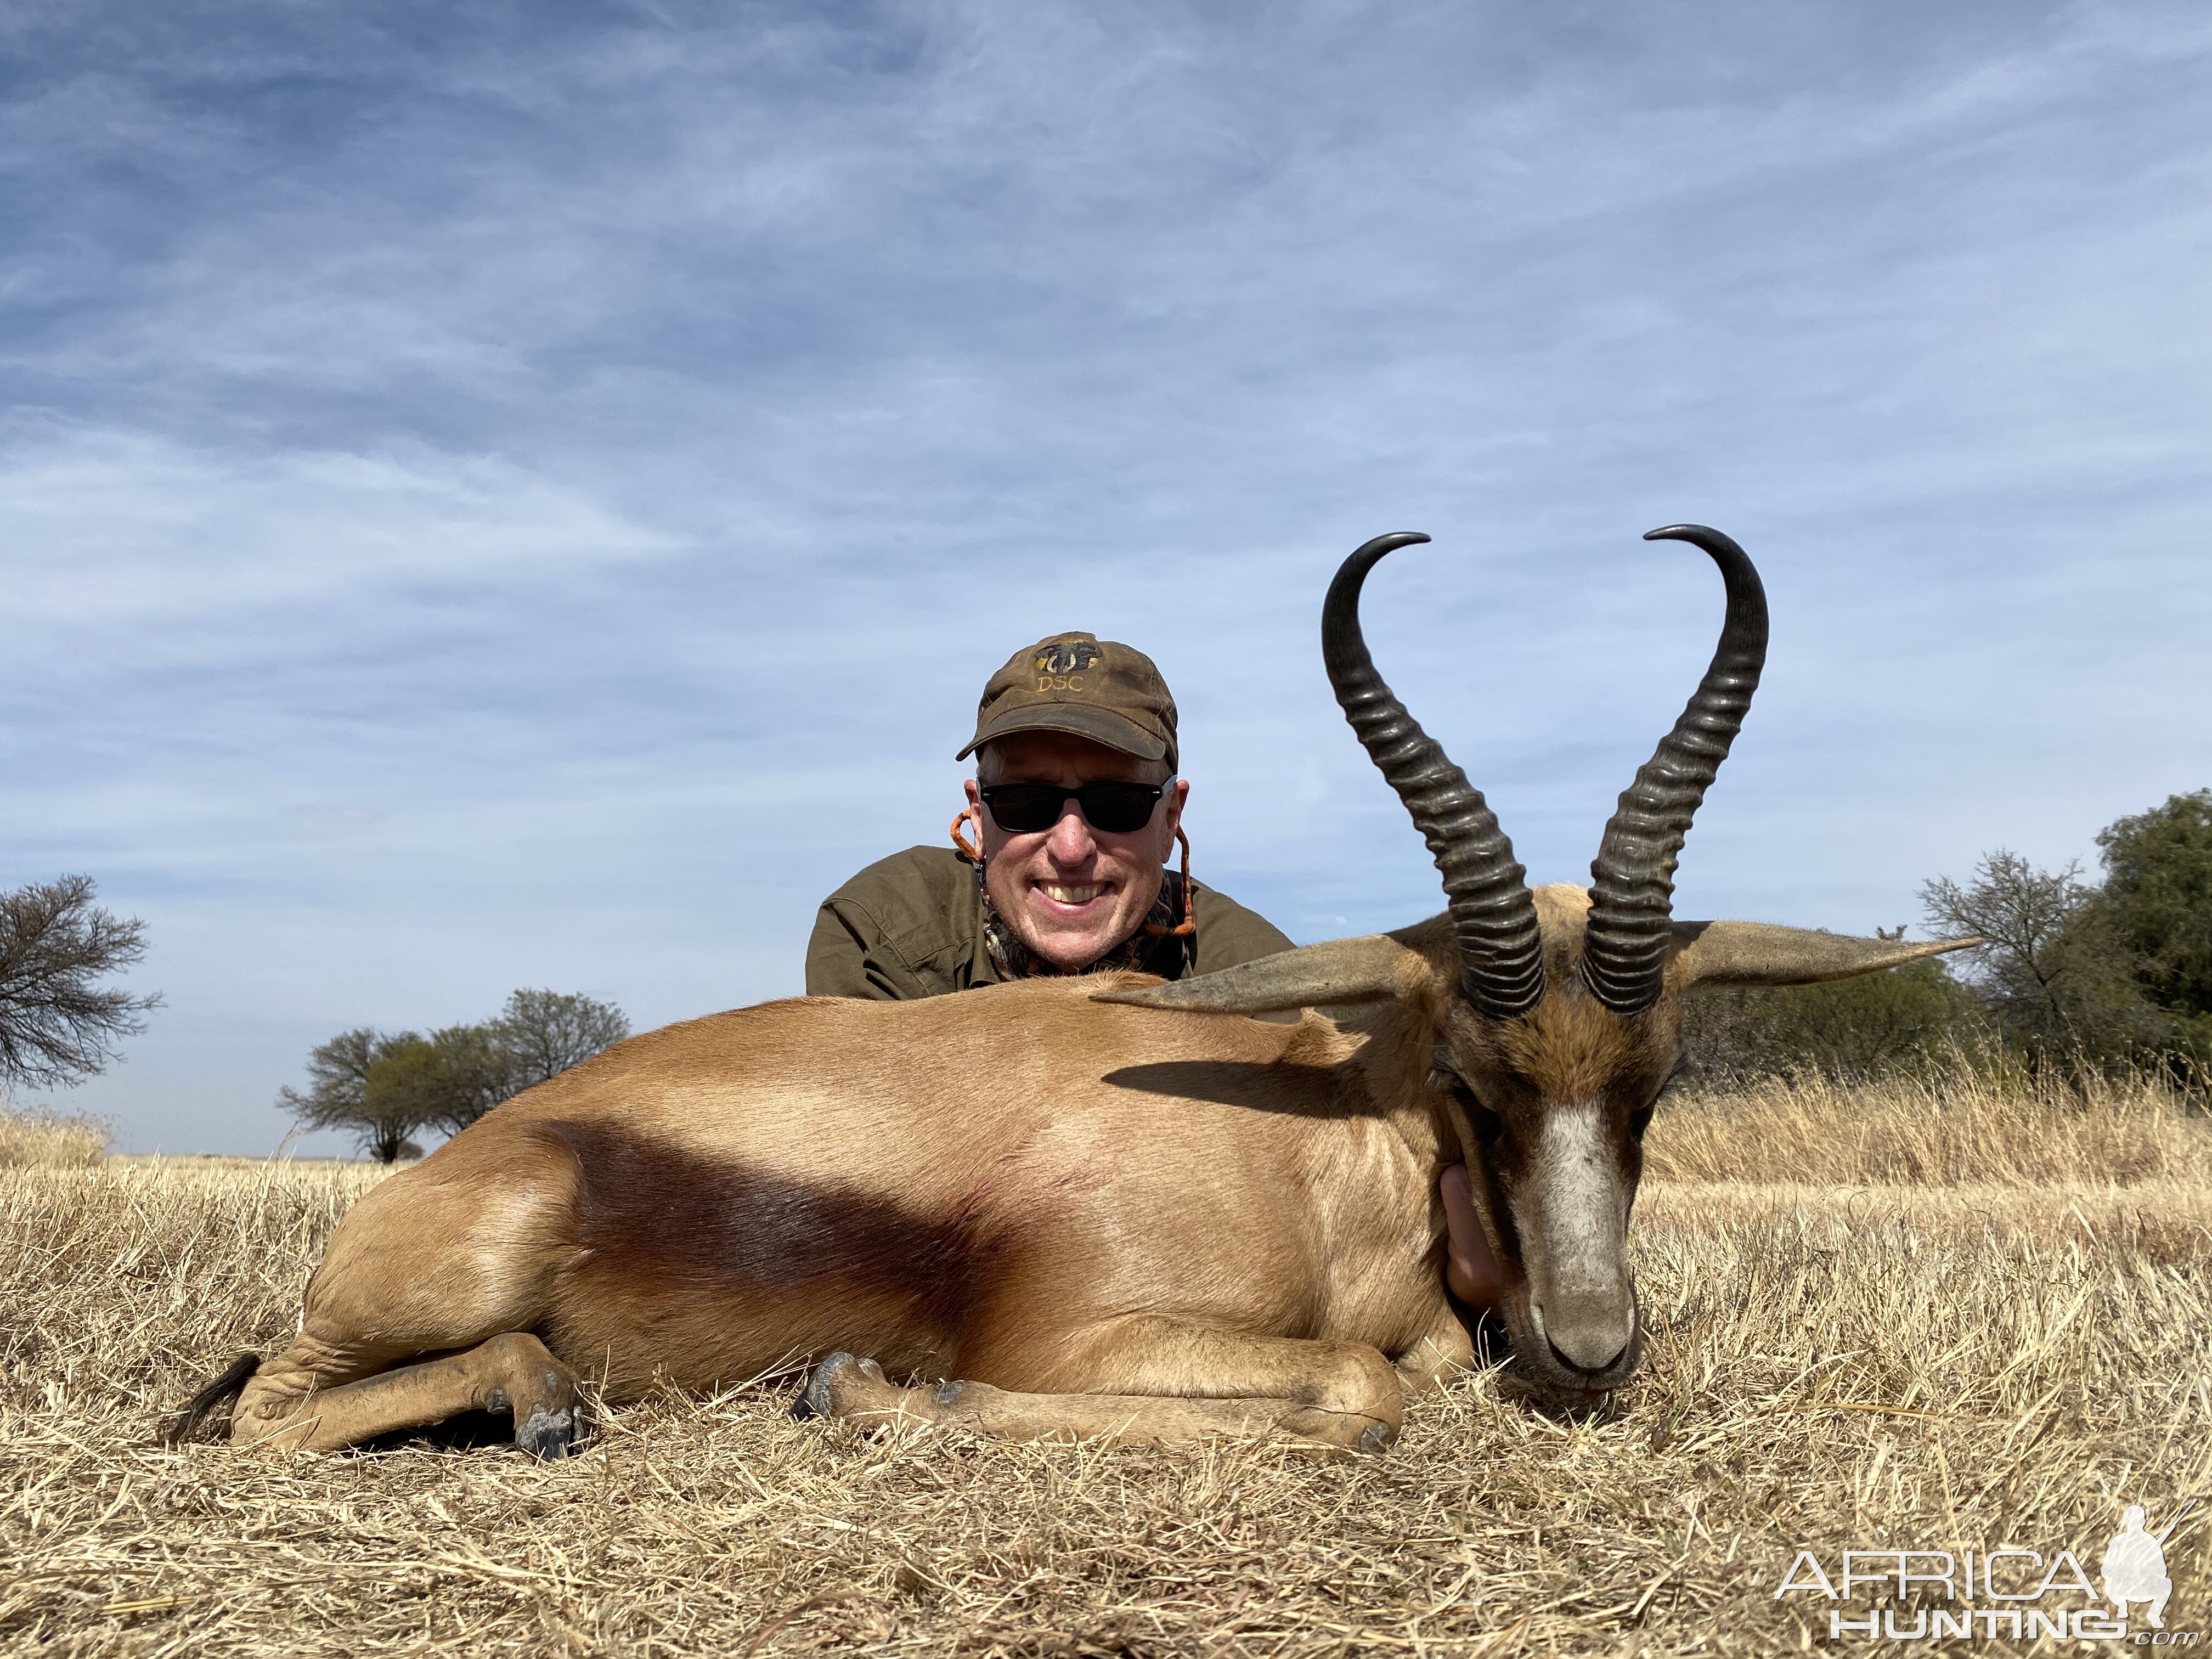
column 1572, row 1208
column 1577, row 1194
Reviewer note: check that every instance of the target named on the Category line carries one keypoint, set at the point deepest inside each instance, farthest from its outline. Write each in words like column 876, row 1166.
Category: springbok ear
column 1339, row 973
column 1710, row 953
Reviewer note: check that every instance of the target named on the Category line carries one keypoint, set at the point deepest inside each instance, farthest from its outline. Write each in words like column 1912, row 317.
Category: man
column 1077, row 805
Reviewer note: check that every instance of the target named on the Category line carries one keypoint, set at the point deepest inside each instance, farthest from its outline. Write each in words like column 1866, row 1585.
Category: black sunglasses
column 1022, row 809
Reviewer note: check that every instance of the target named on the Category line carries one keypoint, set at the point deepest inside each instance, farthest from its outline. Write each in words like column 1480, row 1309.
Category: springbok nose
column 1581, row 1355
column 1589, row 1339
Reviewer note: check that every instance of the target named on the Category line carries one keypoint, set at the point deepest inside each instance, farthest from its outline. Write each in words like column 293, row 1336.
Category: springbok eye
column 1487, row 1124
column 1444, row 1074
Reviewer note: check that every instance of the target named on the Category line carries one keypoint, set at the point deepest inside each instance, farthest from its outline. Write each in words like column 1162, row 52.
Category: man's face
column 1071, row 893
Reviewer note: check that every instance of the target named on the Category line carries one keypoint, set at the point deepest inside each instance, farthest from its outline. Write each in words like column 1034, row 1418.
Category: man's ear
column 1340, row 973
column 1711, row 953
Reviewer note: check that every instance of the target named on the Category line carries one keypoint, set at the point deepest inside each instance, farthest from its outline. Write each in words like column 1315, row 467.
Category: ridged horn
column 1500, row 949
column 1632, row 878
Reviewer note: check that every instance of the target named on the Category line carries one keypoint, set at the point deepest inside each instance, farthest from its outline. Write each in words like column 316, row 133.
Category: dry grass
column 1839, row 1360
column 1956, row 1126
column 43, row 1137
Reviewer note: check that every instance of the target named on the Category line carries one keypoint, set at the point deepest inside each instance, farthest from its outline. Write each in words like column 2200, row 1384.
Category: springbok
column 1108, row 1204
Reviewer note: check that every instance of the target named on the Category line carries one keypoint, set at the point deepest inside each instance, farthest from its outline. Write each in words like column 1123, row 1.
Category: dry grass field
column 1945, row 1316
column 51, row 1139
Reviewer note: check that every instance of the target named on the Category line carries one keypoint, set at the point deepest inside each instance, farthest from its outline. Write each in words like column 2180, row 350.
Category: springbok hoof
column 546, row 1435
column 815, row 1399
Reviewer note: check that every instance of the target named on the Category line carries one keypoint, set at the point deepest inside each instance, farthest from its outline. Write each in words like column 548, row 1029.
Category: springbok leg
column 1151, row 1380
column 1433, row 1361
column 513, row 1372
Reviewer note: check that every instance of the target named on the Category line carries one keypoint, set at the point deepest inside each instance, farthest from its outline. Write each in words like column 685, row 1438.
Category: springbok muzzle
column 1572, row 1213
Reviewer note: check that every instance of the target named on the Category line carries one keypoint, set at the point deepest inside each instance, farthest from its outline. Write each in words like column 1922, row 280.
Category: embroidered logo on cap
column 1058, row 664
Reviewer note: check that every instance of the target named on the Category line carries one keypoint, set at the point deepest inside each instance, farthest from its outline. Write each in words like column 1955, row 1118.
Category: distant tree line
column 384, row 1088
column 2073, row 974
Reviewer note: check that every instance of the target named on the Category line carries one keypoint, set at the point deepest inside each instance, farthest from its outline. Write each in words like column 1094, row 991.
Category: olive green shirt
column 911, row 925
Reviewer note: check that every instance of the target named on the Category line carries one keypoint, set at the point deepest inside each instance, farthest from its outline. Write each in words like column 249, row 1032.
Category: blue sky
column 504, row 496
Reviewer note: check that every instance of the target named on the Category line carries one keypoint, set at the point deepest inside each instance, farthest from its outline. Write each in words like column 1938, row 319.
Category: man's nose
column 1070, row 841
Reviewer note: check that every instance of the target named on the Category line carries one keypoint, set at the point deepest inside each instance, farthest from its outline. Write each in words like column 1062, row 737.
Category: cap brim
column 1099, row 725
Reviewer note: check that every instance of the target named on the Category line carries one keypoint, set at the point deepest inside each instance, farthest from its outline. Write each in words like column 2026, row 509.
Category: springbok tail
column 223, row 1391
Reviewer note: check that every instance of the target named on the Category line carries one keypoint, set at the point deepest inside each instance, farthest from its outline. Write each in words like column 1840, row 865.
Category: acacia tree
column 543, row 1033
column 2053, row 969
column 384, row 1088
column 2021, row 914
column 58, row 1024
column 337, row 1094
column 448, row 1080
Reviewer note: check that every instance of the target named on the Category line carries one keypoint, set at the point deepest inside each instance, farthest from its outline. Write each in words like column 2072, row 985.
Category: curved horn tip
column 1342, row 603
column 1684, row 532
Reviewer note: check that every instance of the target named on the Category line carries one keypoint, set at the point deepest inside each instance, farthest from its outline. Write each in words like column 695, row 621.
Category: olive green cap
column 1083, row 685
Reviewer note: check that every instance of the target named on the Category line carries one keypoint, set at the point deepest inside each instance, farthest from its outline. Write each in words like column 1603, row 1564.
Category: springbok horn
column 1500, row 949
column 1632, row 878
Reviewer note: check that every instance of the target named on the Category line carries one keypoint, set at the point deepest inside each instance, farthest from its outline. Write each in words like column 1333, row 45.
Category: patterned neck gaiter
column 1168, row 956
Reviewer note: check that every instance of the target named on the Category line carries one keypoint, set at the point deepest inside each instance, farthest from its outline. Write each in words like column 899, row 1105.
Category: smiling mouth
column 1072, row 892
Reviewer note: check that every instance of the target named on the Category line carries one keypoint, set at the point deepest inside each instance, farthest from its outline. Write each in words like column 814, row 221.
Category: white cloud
column 125, row 529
